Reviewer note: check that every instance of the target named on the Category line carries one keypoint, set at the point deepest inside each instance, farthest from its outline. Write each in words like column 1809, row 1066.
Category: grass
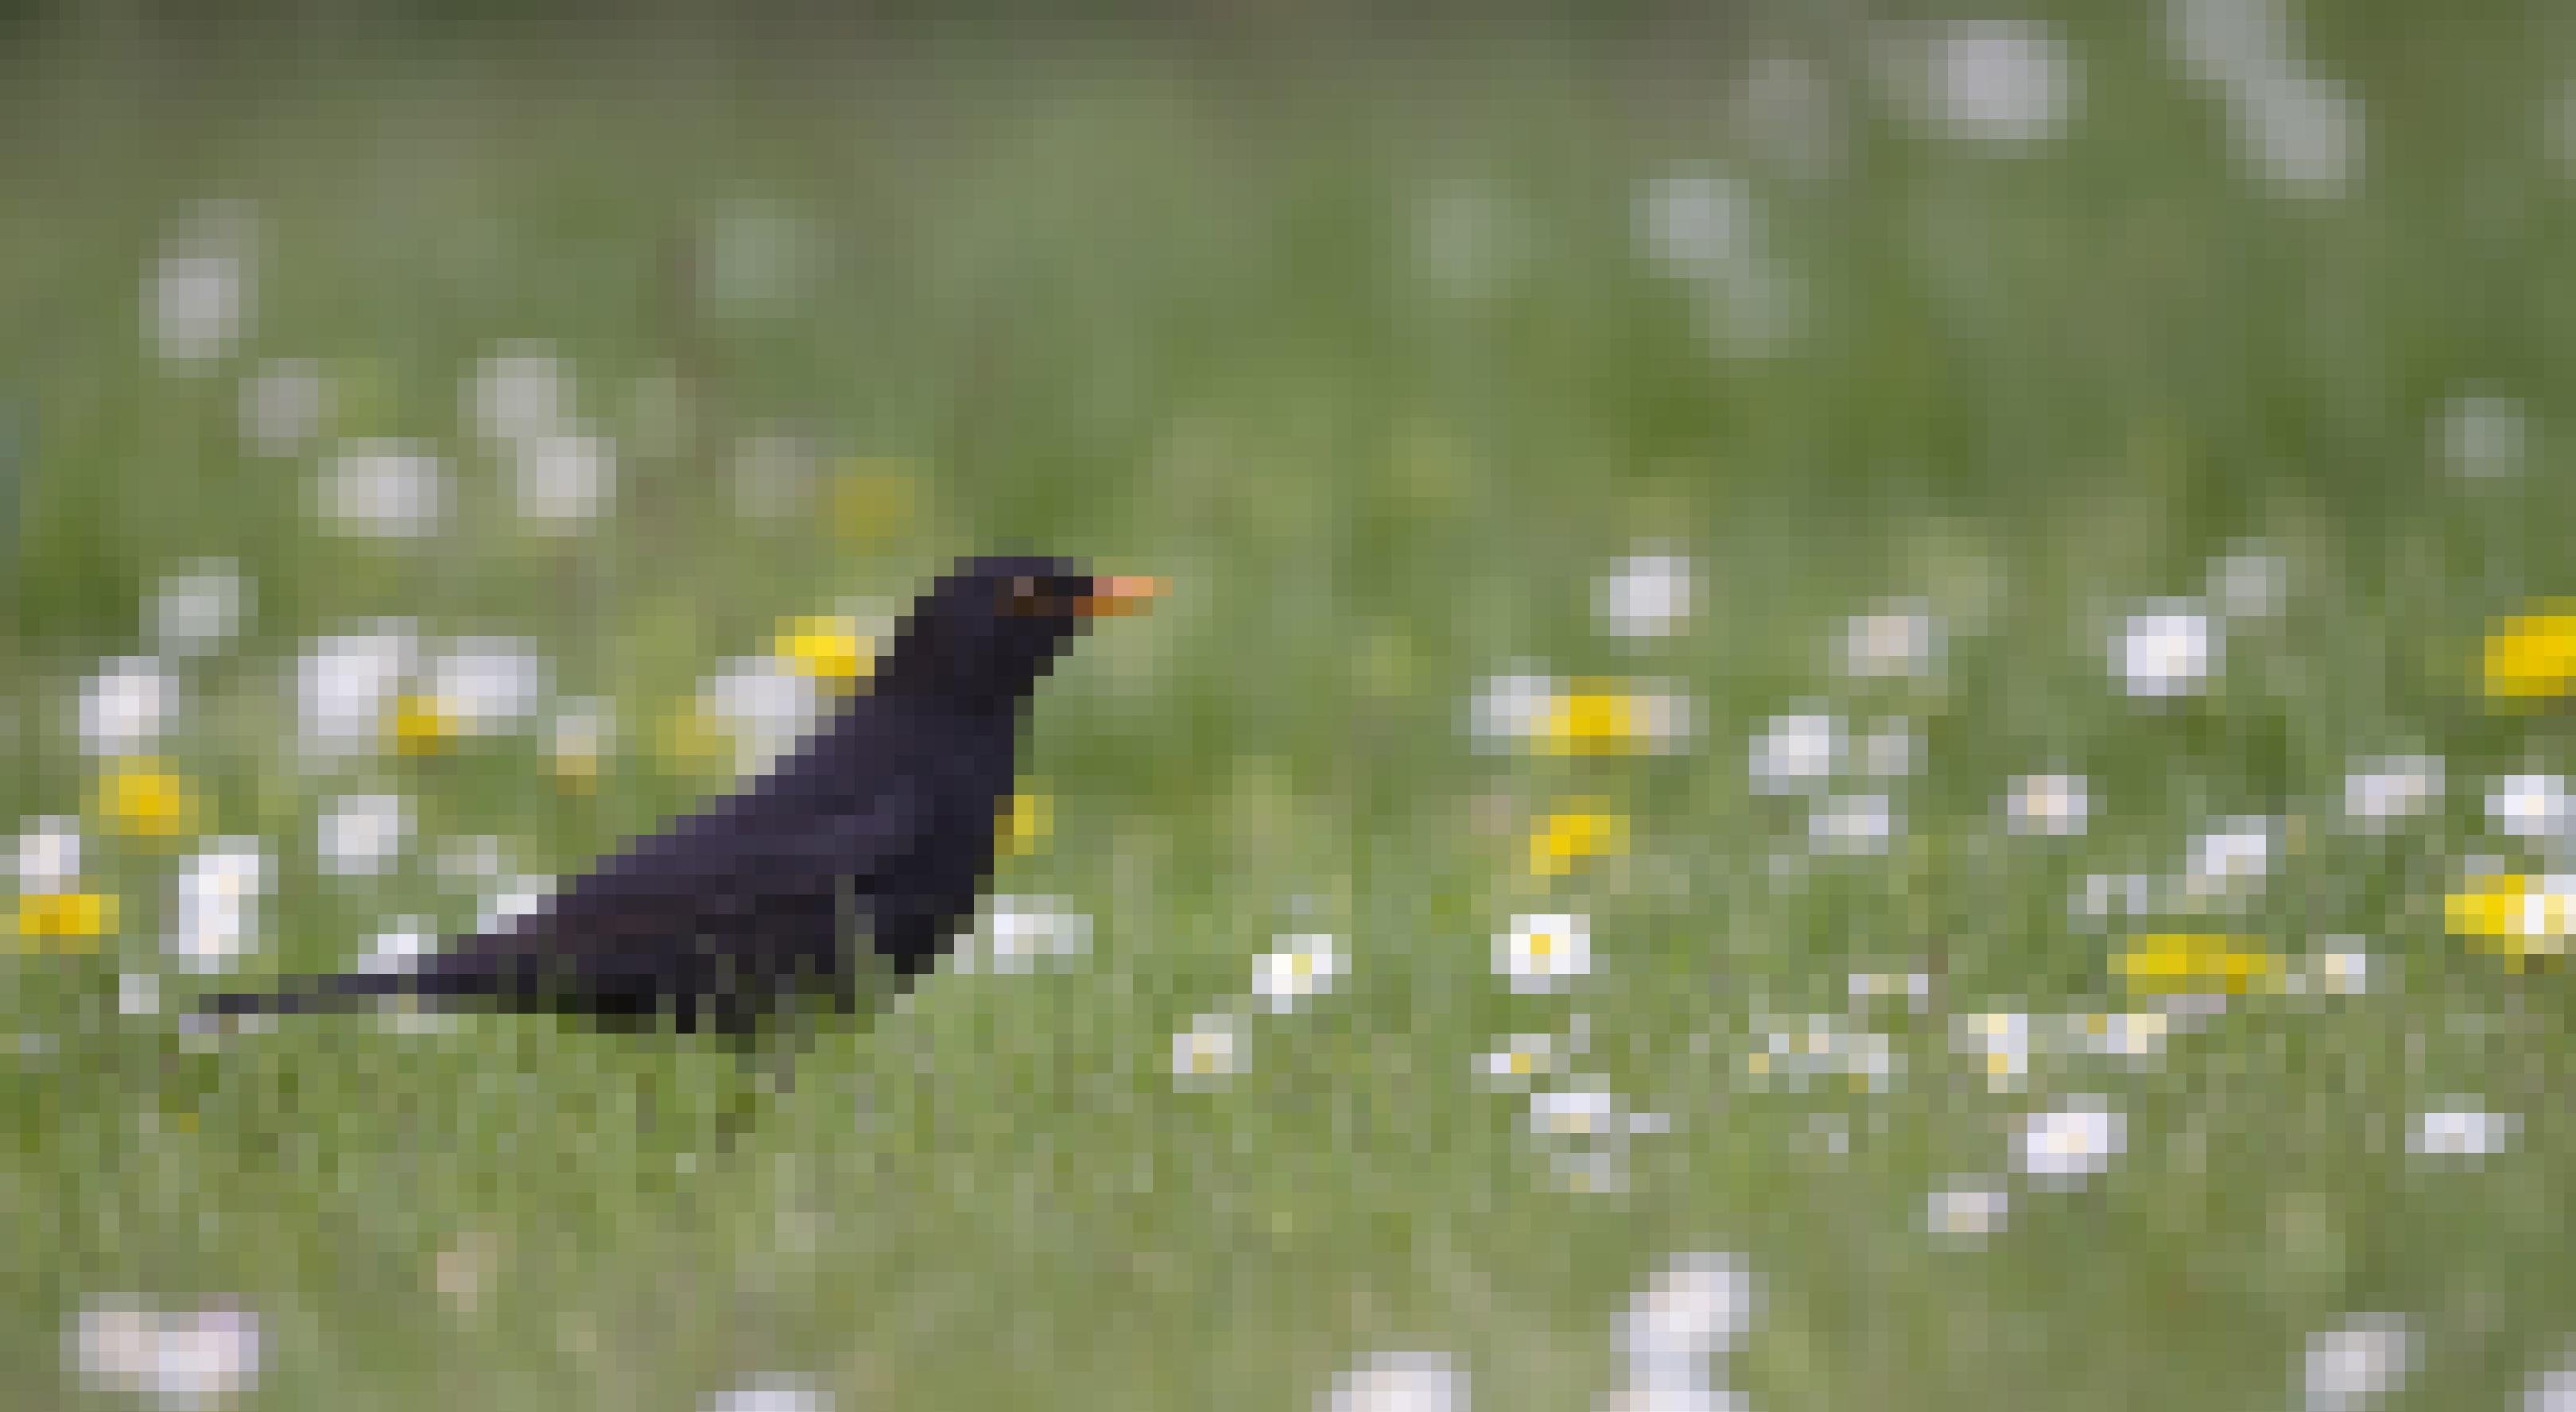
column 1183, row 333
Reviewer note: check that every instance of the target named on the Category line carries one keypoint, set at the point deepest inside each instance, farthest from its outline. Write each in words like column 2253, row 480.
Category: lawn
column 1862, row 691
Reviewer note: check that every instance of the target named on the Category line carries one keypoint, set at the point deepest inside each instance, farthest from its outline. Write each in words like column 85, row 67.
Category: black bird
column 882, row 822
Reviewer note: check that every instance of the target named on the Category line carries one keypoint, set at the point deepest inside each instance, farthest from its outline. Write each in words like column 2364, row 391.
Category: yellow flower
column 69, row 918
column 2532, row 657
column 1590, row 720
column 2196, row 962
column 142, row 798
column 576, row 771
column 1026, row 823
column 422, row 725
column 1583, row 830
column 690, row 739
column 828, row 649
column 2513, row 915
column 873, row 498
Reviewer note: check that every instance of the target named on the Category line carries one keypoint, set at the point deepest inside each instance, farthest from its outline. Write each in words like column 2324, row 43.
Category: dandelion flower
column 67, row 919
column 826, row 648
column 142, row 798
column 1026, row 822
column 2531, row 657
column 2197, row 963
column 1584, row 830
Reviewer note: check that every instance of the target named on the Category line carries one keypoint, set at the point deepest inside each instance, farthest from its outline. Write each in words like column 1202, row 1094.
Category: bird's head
column 983, row 635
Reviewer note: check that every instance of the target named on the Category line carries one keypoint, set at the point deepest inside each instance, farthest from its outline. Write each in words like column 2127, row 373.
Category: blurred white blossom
column 485, row 685
column 200, row 297
column 2481, row 436
column 399, row 947
column 1796, row 753
column 199, row 609
column 1856, row 824
column 1967, row 1212
column 2529, row 805
column 2352, row 1368
column 1399, row 1382
column 771, row 1393
column 2462, row 1132
column 285, row 405
column 2167, row 651
column 564, row 479
column 49, row 855
column 1302, row 967
column 2068, row 1144
column 384, row 489
column 126, row 706
column 1898, row 640
column 1541, row 953
column 519, row 393
column 176, row 1361
column 215, row 921
column 345, row 683
column 361, row 833
column 1021, row 933
column 2385, row 791
column 2057, row 805
column 1646, row 595
column 2005, row 82
column 1214, row 1048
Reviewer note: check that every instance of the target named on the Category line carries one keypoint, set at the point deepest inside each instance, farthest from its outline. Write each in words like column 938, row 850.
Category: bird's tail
column 349, row 992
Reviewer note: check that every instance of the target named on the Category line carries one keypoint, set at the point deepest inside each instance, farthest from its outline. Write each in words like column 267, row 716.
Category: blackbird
column 882, row 822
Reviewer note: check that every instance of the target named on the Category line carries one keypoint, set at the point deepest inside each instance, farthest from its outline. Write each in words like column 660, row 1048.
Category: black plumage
column 882, row 823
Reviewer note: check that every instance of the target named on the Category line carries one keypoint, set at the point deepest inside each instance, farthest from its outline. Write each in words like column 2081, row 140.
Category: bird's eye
column 1026, row 596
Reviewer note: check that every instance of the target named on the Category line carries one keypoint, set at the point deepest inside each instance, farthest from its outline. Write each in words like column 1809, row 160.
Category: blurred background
column 1861, row 705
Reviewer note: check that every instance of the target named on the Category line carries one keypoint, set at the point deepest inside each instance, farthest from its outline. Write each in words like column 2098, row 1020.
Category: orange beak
column 1121, row 595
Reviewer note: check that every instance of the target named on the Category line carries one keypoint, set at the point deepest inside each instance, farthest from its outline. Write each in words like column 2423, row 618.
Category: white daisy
column 1541, row 953
column 199, row 609
column 344, row 684
column 361, row 834
column 384, row 489
column 2066, row 1145
column 1796, row 753
column 125, row 707
column 2384, row 791
column 487, row 684
column 2529, row 806
column 1897, row 640
column 519, row 393
column 1302, row 967
column 199, row 1358
column 2462, row 1132
column 2167, row 651
column 2056, row 806
column 1646, row 595
column 1401, row 1382
column 49, row 855
column 2359, row 1365
column 1967, row 1212
column 1021, row 933
column 1854, row 824
column 564, row 479
column 215, row 919
column 1214, row 1048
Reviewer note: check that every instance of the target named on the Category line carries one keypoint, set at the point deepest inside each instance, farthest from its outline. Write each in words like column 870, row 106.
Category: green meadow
column 1867, row 648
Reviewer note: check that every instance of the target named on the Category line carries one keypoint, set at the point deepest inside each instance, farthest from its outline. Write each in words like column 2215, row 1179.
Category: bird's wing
column 736, row 875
